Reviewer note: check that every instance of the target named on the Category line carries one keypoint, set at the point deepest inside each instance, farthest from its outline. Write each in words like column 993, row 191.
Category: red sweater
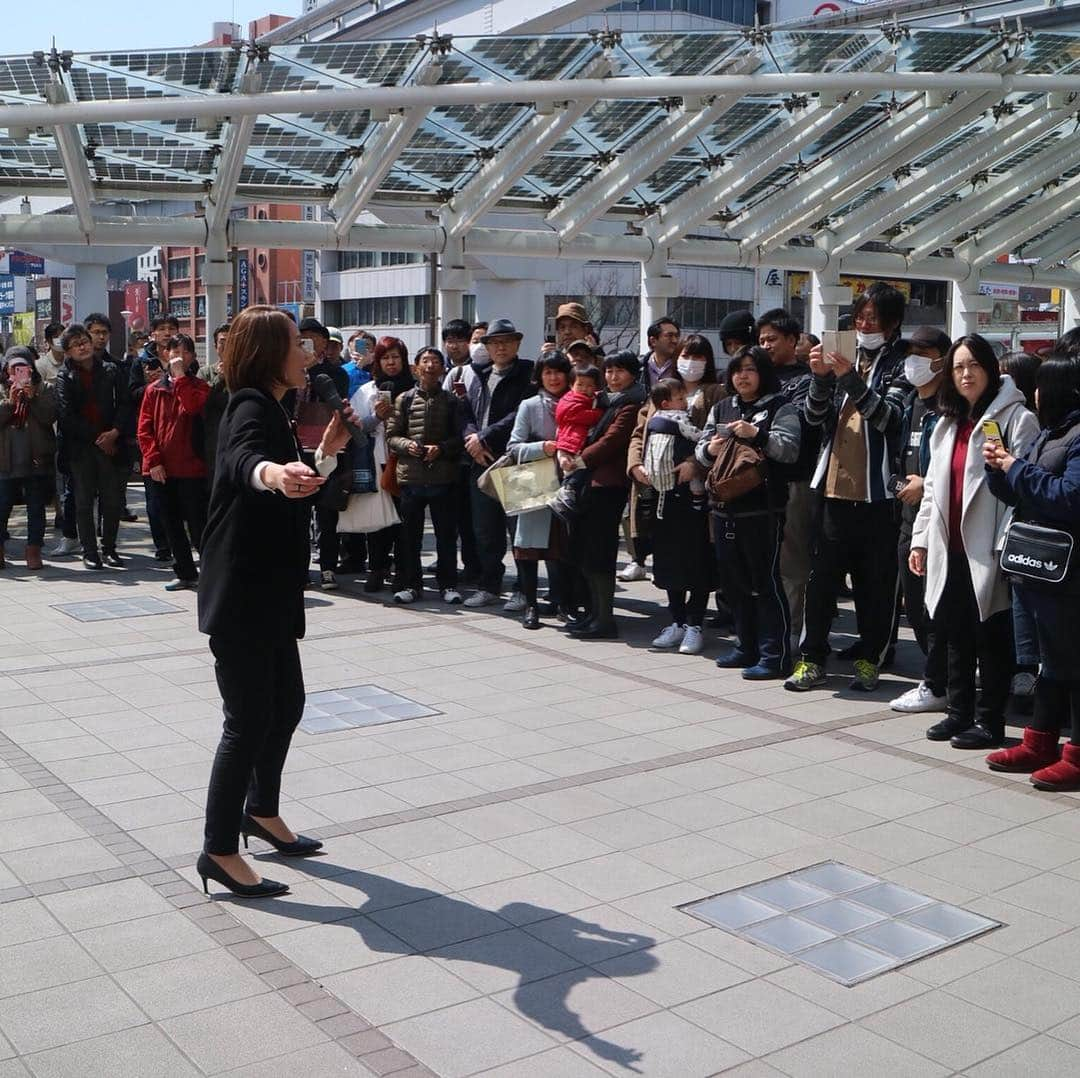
column 575, row 415
column 166, row 418
column 957, row 467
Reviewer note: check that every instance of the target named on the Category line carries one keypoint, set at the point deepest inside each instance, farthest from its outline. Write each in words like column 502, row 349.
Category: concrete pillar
column 826, row 298
column 218, row 279
column 522, row 301
column 658, row 289
column 91, row 289
column 965, row 303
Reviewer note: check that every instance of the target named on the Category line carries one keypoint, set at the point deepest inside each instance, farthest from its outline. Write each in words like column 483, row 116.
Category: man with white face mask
column 924, row 368
column 858, row 403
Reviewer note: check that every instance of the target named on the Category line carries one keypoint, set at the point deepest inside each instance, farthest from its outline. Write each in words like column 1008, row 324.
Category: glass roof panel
column 302, row 154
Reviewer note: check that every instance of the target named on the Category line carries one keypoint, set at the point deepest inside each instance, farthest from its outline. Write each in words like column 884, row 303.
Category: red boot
column 1038, row 749
column 1064, row 775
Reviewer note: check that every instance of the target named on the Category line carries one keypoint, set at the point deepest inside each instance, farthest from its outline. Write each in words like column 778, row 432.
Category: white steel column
column 91, row 288
column 826, row 294
column 1070, row 309
column 965, row 303
column 218, row 279
column 453, row 281
column 658, row 289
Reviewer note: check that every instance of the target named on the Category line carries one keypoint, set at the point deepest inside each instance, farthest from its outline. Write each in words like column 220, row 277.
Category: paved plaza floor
column 502, row 876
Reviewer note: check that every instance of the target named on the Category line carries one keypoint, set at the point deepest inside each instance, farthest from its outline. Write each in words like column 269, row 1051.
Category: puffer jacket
column 430, row 417
column 113, row 402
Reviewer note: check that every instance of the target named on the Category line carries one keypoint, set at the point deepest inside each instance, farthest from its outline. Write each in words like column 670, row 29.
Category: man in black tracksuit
column 494, row 390
column 859, row 407
column 925, row 370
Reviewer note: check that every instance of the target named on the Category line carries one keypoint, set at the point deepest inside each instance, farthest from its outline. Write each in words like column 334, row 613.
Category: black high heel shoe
column 209, row 869
column 302, row 847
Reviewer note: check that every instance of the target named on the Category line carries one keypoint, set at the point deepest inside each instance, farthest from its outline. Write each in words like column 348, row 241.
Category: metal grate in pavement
column 358, row 705
column 108, row 609
column 839, row 921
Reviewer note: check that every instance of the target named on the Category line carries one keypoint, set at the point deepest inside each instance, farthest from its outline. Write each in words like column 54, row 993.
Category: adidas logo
column 1032, row 563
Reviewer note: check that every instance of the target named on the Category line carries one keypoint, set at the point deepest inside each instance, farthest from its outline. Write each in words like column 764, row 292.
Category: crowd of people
column 916, row 474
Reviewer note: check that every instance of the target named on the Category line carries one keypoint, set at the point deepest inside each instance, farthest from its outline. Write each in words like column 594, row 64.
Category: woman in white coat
column 539, row 535
column 957, row 539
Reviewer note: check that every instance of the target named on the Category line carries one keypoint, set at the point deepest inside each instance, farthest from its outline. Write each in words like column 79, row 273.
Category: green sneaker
column 866, row 676
column 805, row 676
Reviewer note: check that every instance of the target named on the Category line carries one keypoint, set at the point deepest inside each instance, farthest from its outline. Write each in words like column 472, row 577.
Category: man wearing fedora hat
column 494, row 390
column 571, row 324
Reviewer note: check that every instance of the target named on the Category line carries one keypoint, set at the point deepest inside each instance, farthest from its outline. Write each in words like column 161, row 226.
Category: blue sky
column 84, row 25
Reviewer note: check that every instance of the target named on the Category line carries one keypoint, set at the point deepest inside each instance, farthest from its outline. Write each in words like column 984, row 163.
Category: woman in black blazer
column 253, row 570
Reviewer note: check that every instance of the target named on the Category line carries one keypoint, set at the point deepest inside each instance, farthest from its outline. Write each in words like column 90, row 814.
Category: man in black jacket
column 494, row 390
column 92, row 410
column 778, row 333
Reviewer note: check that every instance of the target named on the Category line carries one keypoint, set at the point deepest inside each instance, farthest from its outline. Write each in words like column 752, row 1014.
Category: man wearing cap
column 335, row 346
column 660, row 361
column 582, row 354
column 494, row 390
column 571, row 324
column 924, row 368
column 737, row 330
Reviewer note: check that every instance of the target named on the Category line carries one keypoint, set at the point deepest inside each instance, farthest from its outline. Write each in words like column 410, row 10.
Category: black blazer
column 255, row 551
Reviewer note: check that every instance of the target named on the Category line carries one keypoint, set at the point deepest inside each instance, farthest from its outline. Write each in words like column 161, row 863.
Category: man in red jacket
column 171, row 440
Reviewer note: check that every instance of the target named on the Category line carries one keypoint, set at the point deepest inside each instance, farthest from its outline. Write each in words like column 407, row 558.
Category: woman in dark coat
column 251, row 592
column 594, row 537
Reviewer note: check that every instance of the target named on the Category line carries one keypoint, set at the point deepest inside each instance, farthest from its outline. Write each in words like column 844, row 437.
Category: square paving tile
column 110, row 609
column 334, row 710
column 839, row 921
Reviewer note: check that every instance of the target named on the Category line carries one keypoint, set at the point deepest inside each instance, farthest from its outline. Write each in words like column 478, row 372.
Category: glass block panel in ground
column 839, row 921
column 333, row 710
column 109, row 609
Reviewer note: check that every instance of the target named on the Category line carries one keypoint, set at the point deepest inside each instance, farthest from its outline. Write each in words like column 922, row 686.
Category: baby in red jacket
column 575, row 415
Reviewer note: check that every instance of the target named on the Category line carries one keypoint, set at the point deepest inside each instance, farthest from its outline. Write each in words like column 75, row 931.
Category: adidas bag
column 1036, row 556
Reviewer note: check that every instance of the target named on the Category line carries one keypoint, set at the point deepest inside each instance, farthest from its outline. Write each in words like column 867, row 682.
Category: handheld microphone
column 326, row 391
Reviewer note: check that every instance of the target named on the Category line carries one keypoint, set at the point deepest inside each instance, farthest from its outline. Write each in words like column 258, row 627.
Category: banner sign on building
column 7, row 293
column 243, row 283
column 999, row 291
column 22, row 328
column 43, row 310
column 137, row 303
column 23, row 265
column 799, row 285
column 67, row 300
column 307, row 283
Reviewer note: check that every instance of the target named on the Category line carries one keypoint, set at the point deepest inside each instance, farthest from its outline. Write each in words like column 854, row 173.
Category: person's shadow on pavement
column 378, row 918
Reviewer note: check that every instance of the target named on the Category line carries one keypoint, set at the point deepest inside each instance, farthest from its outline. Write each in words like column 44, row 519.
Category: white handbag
column 368, row 513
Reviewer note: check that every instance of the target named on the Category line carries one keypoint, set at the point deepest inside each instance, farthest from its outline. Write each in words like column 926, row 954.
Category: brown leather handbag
column 738, row 469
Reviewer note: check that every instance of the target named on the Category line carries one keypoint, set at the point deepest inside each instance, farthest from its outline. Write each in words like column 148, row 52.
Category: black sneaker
column 112, row 560
column 92, row 562
column 163, row 555
column 128, row 517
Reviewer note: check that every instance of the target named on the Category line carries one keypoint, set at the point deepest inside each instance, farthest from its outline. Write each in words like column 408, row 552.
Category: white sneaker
column 1023, row 684
column 671, row 637
column 405, row 596
column 515, row 604
column 693, row 642
column 327, row 580
column 451, row 596
column 632, row 572
column 916, row 701
column 481, row 598
column 65, row 547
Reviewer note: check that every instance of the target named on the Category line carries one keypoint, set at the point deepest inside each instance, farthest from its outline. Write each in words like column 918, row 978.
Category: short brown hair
column 256, row 349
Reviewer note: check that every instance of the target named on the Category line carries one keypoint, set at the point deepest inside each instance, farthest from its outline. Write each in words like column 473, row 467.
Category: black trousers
column 748, row 563
column 970, row 642
column 492, row 532
column 470, row 559
column 688, row 608
column 184, row 505
column 560, row 578
column 384, row 548
column 326, row 519
column 262, row 695
column 933, row 644
column 858, row 538
column 440, row 499
column 98, row 477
